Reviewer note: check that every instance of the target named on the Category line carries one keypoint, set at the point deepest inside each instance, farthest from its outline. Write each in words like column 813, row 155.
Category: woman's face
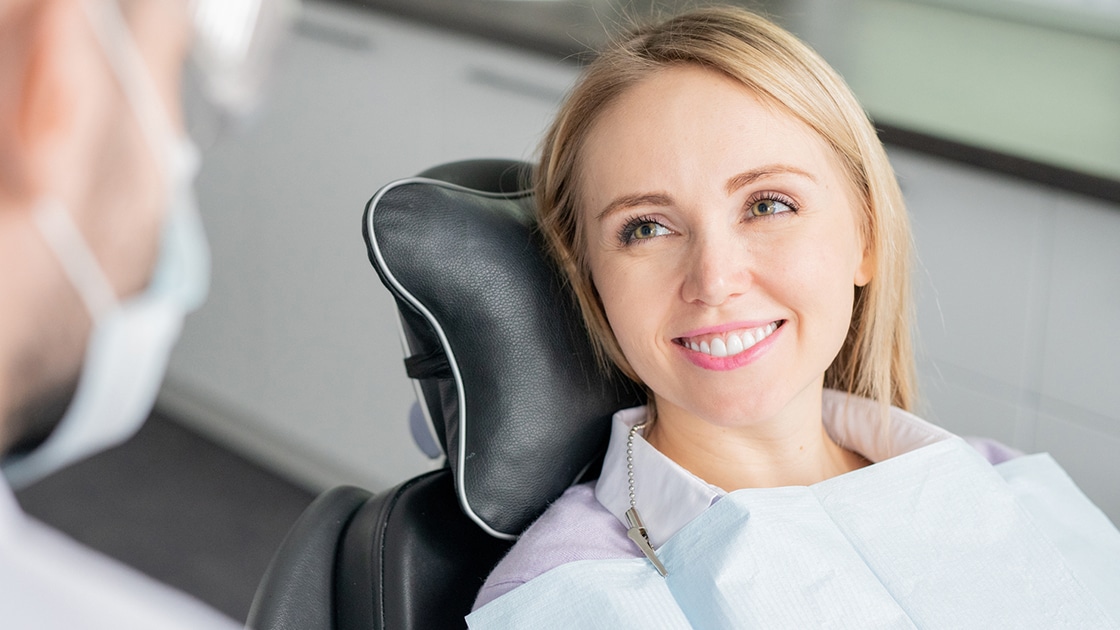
column 724, row 243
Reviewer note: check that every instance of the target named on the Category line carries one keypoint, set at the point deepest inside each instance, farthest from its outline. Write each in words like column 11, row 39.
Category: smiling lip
column 728, row 347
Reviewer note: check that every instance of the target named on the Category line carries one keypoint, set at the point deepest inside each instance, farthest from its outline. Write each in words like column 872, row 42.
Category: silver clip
column 637, row 533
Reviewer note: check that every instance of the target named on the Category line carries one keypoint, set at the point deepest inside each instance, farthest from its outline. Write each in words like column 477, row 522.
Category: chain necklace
column 637, row 531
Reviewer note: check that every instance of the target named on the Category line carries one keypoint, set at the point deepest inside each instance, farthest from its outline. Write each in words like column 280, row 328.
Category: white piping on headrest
column 460, row 487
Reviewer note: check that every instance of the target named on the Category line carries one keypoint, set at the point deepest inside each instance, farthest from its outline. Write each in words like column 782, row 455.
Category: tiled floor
column 178, row 507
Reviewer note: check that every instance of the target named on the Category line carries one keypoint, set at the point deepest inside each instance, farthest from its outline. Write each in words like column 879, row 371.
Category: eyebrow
column 735, row 183
column 631, row 201
column 749, row 177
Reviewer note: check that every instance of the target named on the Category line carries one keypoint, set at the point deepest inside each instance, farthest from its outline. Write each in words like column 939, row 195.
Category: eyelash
column 769, row 196
column 626, row 233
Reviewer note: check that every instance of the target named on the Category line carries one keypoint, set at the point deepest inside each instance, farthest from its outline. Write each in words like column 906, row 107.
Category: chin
column 743, row 404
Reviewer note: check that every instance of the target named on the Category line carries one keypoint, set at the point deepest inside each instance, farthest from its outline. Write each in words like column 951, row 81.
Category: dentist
column 101, row 256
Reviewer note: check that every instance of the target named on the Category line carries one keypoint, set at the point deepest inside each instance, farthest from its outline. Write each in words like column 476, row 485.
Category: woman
column 738, row 244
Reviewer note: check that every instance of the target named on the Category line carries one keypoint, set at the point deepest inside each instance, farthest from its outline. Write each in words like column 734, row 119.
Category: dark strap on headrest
column 431, row 365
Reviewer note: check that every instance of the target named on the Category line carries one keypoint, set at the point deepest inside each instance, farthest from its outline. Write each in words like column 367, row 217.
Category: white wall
column 295, row 359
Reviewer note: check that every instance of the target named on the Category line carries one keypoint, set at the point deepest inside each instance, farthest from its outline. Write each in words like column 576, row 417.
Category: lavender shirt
column 587, row 521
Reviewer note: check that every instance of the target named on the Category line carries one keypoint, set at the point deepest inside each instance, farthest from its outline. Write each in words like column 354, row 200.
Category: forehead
column 687, row 128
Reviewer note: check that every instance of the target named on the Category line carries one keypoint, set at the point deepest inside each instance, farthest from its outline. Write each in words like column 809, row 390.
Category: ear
column 865, row 271
column 41, row 93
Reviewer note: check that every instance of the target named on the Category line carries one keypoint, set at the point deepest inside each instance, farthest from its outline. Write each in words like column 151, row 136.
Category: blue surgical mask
column 131, row 340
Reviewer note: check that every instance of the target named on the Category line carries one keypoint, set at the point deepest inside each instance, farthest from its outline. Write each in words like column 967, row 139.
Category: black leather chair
column 509, row 383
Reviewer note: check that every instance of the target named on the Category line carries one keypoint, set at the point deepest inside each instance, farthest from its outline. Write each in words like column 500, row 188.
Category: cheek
column 824, row 286
column 811, row 270
column 632, row 297
column 162, row 31
column 618, row 301
column 127, row 200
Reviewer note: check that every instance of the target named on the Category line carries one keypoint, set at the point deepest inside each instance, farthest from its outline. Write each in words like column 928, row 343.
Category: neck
column 790, row 449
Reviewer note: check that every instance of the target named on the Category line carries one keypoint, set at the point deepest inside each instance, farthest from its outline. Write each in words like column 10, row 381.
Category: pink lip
column 724, row 364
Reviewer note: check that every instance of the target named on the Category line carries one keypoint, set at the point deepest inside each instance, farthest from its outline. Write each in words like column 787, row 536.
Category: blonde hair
column 876, row 360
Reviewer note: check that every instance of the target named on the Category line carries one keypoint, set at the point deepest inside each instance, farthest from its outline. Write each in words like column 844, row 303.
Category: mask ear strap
column 77, row 259
column 119, row 44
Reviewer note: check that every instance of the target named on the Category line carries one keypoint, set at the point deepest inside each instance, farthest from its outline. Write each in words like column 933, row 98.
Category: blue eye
column 640, row 229
column 768, row 206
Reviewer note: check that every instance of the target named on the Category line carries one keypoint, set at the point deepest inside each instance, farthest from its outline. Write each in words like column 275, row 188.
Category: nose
column 717, row 269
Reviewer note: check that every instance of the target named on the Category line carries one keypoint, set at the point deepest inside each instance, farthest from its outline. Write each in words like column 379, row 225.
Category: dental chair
column 509, row 384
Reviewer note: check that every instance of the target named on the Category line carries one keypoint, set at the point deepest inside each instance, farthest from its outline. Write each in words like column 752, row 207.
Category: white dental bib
column 933, row 538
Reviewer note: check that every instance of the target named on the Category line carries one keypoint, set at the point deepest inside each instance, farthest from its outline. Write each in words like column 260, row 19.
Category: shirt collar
column 671, row 496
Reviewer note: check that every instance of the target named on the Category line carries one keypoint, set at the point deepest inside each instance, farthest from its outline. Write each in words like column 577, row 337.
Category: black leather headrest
column 504, row 366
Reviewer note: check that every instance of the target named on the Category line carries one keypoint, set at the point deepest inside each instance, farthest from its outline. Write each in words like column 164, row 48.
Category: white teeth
column 718, row 347
column 734, row 343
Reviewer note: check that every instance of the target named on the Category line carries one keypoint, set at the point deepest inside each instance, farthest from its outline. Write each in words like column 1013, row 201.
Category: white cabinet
column 1081, row 348
column 295, row 359
column 1018, row 298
